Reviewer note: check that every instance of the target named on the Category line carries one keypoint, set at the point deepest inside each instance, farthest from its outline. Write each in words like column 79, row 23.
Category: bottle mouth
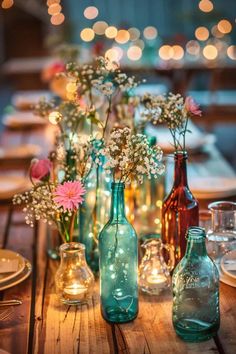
column 117, row 185
column 181, row 154
column 222, row 206
column 196, row 233
column 72, row 247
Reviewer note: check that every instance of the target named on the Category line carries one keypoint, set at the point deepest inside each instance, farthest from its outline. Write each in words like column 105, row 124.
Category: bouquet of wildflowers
column 172, row 110
column 50, row 201
column 130, row 157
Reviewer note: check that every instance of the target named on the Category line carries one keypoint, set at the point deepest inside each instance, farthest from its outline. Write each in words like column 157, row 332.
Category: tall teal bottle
column 196, row 315
column 118, row 262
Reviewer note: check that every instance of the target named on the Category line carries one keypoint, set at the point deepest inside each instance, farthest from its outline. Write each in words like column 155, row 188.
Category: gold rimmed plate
column 19, row 278
column 10, row 260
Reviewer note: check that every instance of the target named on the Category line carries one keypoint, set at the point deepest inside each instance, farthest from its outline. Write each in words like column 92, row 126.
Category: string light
column 100, row 27
column 111, row 32
column 122, row 36
column 134, row 33
column 206, row 5
column 150, row 32
column 6, row 4
column 178, row 52
column 224, row 26
column 210, row 52
column 202, row 33
column 57, row 19
column 54, row 9
column 87, row 34
column 51, row 2
column 166, row 52
column 231, row 52
column 134, row 53
column 91, row 12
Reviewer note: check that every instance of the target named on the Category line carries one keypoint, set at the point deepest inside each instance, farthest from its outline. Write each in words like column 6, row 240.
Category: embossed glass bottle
column 180, row 209
column 118, row 255
column 196, row 315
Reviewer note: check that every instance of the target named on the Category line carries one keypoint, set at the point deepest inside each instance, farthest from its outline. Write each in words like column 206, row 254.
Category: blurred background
column 180, row 46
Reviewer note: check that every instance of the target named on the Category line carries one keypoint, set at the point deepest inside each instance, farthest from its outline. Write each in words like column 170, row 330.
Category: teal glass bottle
column 196, row 315
column 118, row 259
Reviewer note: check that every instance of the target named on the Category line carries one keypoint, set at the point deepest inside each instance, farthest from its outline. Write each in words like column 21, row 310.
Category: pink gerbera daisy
column 69, row 195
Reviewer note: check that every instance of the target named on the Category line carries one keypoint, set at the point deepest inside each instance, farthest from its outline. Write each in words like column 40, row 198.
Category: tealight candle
column 75, row 292
column 156, row 279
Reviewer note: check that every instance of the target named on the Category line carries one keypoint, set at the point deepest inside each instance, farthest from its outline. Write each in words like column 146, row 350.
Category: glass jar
column 222, row 235
column 180, row 208
column 74, row 279
column 118, row 250
column 154, row 273
column 196, row 315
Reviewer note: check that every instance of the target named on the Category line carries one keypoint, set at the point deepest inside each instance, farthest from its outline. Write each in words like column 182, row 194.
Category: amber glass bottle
column 180, row 208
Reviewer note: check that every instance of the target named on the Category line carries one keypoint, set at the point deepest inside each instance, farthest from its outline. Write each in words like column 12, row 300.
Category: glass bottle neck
column 117, row 201
column 180, row 177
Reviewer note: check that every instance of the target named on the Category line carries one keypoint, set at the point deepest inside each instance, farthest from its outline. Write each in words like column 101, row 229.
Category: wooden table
column 42, row 325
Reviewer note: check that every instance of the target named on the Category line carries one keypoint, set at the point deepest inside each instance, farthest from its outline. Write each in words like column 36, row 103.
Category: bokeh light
column 134, row 52
column 54, row 9
column 112, row 54
column 150, row 32
column 87, row 34
column 6, row 4
column 91, row 12
column 134, row 33
column 100, row 27
column 54, row 117
column 206, row 5
column 111, row 32
column 202, row 33
column 210, row 52
column 224, row 26
column 139, row 43
column 231, row 52
column 216, row 33
column 193, row 47
column 57, row 19
column 122, row 36
column 178, row 52
column 166, row 52
column 51, row 2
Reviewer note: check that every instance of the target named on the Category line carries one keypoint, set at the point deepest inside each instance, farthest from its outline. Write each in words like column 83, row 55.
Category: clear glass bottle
column 74, row 279
column 222, row 235
column 196, row 315
column 180, row 209
column 118, row 255
column 154, row 273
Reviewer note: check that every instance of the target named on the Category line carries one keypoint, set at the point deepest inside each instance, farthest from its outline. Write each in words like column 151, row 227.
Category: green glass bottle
column 196, row 315
column 118, row 262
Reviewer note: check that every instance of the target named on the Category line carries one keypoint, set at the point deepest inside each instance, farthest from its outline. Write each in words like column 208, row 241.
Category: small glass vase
column 74, row 279
column 118, row 249
column 196, row 315
column 154, row 273
column 221, row 236
column 180, row 209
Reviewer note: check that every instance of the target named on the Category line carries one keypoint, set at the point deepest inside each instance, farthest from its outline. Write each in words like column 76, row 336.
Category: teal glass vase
column 196, row 315
column 118, row 254
column 94, row 212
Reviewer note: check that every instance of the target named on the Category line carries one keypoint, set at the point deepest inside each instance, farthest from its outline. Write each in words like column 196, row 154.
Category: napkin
column 8, row 265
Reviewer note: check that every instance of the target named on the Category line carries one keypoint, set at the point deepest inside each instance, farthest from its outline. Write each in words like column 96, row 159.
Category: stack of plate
column 13, row 269
column 228, row 268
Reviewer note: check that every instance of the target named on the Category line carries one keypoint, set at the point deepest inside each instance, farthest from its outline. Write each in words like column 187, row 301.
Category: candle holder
column 154, row 273
column 74, row 279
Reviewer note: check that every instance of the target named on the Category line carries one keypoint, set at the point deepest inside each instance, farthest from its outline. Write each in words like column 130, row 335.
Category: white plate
column 213, row 187
column 225, row 279
column 23, row 100
column 20, row 151
column 19, row 278
column 10, row 185
column 8, row 256
column 22, row 119
column 228, row 264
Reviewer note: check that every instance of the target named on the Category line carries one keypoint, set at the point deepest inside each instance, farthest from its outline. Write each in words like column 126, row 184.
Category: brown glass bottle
column 180, row 208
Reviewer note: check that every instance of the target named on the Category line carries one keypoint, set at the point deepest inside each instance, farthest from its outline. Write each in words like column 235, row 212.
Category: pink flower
column 40, row 169
column 51, row 70
column 192, row 107
column 69, row 195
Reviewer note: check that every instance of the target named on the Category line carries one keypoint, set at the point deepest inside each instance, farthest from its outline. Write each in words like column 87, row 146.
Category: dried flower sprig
column 130, row 157
column 173, row 111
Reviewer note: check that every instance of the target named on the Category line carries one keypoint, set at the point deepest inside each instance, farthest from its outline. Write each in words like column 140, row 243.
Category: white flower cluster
column 130, row 157
column 39, row 204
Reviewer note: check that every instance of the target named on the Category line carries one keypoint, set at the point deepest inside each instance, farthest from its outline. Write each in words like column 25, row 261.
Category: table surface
column 42, row 325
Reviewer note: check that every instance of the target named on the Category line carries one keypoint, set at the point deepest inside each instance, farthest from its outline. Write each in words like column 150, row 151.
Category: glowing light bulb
column 122, row 36
column 51, row 2
column 54, row 9
column 210, row 52
column 111, row 32
column 202, row 33
column 6, row 4
column 206, row 5
column 178, row 52
column 57, row 19
column 87, row 34
column 224, row 26
column 231, row 52
column 91, row 12
column 166, row 52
